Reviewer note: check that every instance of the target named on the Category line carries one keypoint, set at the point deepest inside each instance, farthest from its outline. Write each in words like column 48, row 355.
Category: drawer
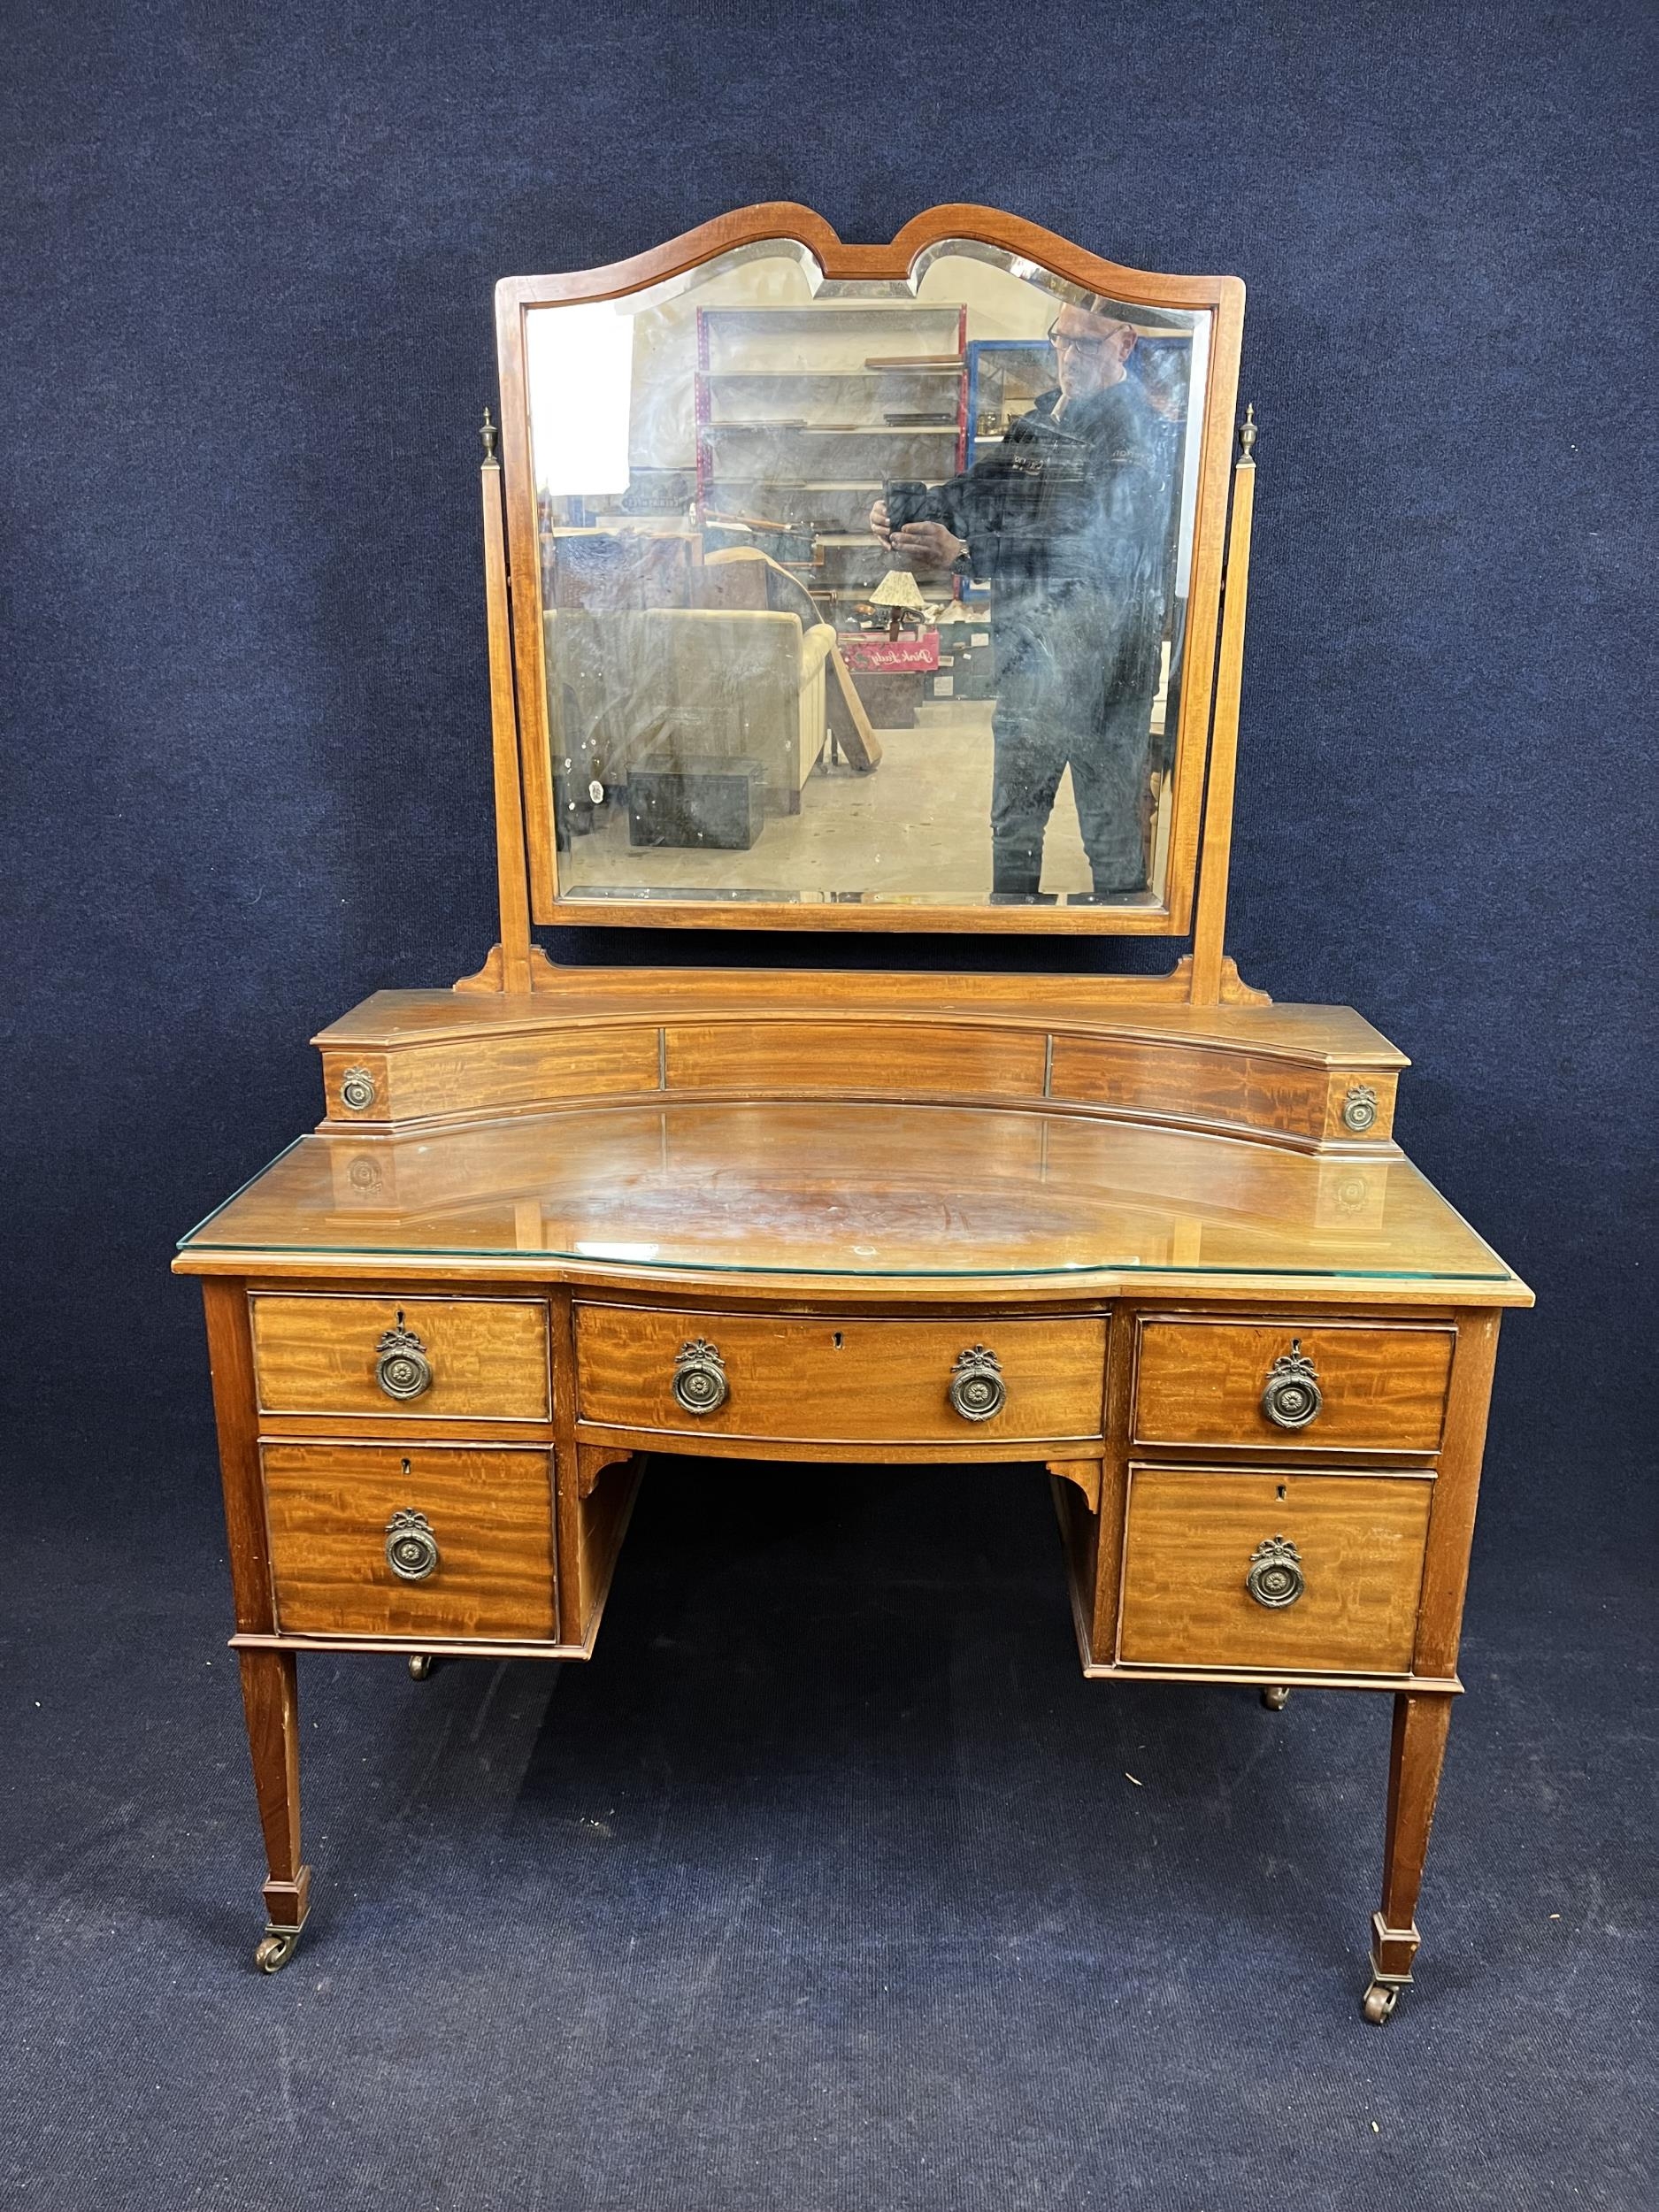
column 1292, row 1385
column 475, row 1359
column 1300, row 1572
column 781, row 1380
column 475, row 1530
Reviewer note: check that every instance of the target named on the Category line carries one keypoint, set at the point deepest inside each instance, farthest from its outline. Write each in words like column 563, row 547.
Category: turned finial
column 1246, row 435
column 488, row 431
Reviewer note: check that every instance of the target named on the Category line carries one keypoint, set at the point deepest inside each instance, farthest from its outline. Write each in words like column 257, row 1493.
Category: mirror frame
column 792, row 224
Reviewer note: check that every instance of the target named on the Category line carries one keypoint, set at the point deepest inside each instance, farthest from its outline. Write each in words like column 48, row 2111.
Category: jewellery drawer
column 422, row 1540
column 1315, row 1385
column 477, row 1359
column 1302, row 1571
column 783, row 1380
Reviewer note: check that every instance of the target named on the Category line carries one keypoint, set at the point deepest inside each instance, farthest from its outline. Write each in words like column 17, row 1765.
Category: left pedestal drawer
column 473, row 1359
column 429, row 1541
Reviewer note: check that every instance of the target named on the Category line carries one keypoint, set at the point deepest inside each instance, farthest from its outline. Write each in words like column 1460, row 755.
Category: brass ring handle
column 1275, row 1579
column 1293, row 1396
column 402, row 1369
column 976, row 1389
column 700, row 1384
column 1359, row 1109
column 412, row 1549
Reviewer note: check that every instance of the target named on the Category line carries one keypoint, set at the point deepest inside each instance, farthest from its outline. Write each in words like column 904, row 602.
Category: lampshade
column 898, row 589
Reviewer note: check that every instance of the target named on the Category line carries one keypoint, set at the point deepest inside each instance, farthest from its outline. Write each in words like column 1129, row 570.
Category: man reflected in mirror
column 1067, row 520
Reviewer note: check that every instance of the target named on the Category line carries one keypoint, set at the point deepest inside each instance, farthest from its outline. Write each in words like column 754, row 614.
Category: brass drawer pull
column 1293, row 1396
column 1275, row 1577
column 976, row 1389
column 1359, row 1109
column 700, row 1383
column 412, row 1549
column 402, row 1369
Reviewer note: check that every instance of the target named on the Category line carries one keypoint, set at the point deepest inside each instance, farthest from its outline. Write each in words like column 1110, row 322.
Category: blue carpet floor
column 825, row 1885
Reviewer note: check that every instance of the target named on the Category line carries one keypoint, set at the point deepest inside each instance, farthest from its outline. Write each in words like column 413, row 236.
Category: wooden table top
column 854, row 1193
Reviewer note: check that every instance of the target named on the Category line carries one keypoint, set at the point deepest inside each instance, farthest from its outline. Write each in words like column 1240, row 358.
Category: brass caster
column 1379, row 2001
column 1276, row 1698
column 276, row 1950
column 419, row 1665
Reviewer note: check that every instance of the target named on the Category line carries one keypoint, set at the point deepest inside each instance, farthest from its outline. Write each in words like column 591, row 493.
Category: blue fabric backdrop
column 247, row 337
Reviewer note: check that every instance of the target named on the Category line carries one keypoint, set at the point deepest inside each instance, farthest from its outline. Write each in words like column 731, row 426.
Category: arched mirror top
column 866, row 586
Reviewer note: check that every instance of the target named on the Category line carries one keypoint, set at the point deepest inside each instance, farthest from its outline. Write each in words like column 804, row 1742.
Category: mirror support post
column 512, row 963
column 1208, row 973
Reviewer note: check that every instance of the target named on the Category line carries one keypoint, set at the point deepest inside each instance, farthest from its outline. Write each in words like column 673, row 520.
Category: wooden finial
column 1246, row 435
column 489, row 434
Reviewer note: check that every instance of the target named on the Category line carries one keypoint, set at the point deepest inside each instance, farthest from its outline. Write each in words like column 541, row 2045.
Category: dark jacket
column 1068, row 522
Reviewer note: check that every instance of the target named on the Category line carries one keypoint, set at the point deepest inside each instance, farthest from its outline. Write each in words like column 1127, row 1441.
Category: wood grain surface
column 489, row 1356
column 891, row 1059
column 853, row 1381
column 492, row 1517
column 1201, row 1382
column 1210, row 1085
column 1191, row 1534
column 497, row 1072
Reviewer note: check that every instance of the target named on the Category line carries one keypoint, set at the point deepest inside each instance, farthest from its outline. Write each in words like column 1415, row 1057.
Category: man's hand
column 927, row 544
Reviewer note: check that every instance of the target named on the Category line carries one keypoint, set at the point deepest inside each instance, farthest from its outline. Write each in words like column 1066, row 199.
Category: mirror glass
column 865, row 592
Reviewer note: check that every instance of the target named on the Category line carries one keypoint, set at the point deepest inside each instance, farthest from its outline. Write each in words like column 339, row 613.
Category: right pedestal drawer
column 1320, row 1386
column 1302, row 1571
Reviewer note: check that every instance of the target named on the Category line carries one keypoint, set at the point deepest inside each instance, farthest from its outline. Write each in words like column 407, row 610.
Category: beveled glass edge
column 415, row 1253
column 189, row 1239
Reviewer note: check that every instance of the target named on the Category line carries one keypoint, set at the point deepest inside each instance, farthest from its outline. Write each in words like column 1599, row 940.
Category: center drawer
column 813, row 1380
column 425, row 1541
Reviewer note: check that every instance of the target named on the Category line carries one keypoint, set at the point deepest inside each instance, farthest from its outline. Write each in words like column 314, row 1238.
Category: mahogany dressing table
column 1149, row 1230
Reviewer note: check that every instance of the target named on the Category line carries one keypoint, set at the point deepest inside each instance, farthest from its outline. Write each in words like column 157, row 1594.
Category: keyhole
column 1281, row 1489
column 836, row 1339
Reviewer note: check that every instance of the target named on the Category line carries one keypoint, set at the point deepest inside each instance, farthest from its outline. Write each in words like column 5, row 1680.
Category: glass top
column 859, row 1190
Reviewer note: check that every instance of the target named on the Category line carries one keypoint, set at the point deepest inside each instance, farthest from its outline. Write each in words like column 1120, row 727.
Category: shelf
column 849, row 367
column 819, row 376
column 846, row 429
column 809, row 483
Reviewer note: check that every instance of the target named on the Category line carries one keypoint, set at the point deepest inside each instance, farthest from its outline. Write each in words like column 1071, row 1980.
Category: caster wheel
column 419, row 1665
column 1276, row 1699
column 276, row 1950
column 1379, row 2001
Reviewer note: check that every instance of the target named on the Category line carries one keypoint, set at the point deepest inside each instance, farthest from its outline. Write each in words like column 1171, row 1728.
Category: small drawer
column 781, row 1380
column 429, row 1541
column 474, row 1359
column 1317, row 1387
column 1308, row 1572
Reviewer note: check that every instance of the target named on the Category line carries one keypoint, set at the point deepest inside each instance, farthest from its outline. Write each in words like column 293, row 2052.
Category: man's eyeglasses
column 1058, row 338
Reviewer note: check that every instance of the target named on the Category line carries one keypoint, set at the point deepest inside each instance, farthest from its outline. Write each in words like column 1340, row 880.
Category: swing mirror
column 860, row 588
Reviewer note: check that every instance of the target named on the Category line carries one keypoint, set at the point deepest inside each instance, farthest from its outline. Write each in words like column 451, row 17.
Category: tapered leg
column 1415, row 1756
column 270, row 1695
